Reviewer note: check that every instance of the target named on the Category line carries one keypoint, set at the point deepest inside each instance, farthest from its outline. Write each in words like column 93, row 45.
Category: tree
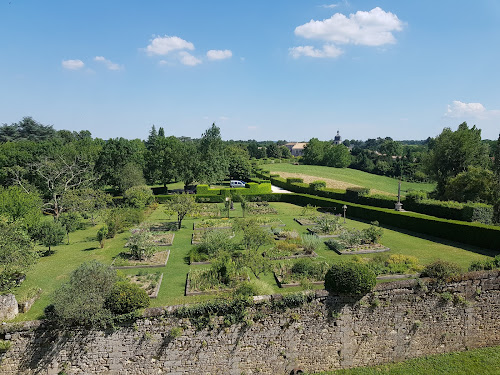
column 285, row 152
column 273, row 151
column 181, row 204
column 71, row 221
column 314, row 152
column 496, row 169
column 214, row 163
column 81, row 301
column 102, row 234
column 141, row 244
column 337, row 156
column 391, row 148
column 17, row 254
column 188, row 165
column 26, row 129
column 18, row 206
column 139, row 196
column 452, row 152
column 51, row 233
column 239, row 163
column 254, row 236
column 475, row 185
column 130, row 175
column 88, row 202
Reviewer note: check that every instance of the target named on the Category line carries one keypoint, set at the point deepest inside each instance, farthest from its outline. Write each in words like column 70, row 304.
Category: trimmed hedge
column 251, row 188
column 352, row 279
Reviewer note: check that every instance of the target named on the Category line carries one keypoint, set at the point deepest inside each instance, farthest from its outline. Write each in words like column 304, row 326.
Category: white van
column 237, row 184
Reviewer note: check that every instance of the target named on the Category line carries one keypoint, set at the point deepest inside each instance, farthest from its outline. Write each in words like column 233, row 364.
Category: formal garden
column 261, row 248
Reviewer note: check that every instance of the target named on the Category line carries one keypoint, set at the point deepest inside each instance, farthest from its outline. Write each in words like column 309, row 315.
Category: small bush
column 353, row 279
column 441, row 270
column 292, row 180
column 311, row 243
column 139, row 196
column 126, row 297
column 5, row 345
column 253, row 288
column 317, row 185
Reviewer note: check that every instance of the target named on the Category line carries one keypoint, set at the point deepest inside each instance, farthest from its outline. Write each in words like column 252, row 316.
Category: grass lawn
column 51, row 271
column 479, row 361
column 377, row 184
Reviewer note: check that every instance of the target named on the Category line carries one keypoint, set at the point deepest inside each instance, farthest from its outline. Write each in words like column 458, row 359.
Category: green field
column 483, row 361
column 52, row 270
column 351, row 176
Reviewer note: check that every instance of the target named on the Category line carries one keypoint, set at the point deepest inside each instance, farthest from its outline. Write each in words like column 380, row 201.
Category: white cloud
column 329, row 6
column 163, row 45
column 109, row 64
column 327, row 51
column 72, row 64
column 217, row 54
column 188, row 59
column 373, row 28
column 471, row 110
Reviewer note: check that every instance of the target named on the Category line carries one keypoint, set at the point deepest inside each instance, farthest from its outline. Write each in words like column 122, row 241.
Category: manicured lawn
column 351, row 176
column 51, row 271
column 479, row 361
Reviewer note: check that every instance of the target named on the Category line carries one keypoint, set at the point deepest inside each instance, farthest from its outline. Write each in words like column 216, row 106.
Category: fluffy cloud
column 109, row 64
column 163, row 45
column 72, row 64
column 215, row 54
column 373, row 28
column 188, row 59
column 327, row 51
column 471, row 110
column 329, row 6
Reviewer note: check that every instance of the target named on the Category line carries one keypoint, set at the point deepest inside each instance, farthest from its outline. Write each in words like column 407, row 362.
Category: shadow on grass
column 91, row 248
column 442, row 241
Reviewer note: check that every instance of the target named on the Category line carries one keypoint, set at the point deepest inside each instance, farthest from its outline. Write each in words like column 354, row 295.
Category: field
column 341, row 178
column 51, row 271
column 479, row 361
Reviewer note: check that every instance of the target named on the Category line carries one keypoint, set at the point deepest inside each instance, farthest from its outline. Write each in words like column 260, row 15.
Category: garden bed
column 290, row 274
column 269, row 222
column 305, row 221
column 124, row 261
column 150, row 282
column 260, row 208
column 164, row 239
column 206, row 224
column 281, row 284
column 216, row 288
column 296, row 255
column 323, row 235
column 364, row 249
column 164, row 227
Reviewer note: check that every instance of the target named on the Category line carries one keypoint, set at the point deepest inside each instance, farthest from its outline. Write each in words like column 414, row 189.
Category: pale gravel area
column 330, row 183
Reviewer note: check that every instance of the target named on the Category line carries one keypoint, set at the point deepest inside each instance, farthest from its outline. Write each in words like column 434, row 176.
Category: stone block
column 8, row 307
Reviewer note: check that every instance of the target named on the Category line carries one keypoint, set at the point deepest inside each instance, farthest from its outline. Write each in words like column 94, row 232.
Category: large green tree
column 337, row 156
column 452, row 152
column 214, row 163
column 239, row 163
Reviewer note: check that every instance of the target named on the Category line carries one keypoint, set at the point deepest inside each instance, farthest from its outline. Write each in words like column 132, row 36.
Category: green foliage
column 16, row 255
column 311, row 243
column 441, row 270
column 253, row 287
column 317, row 185
column 476, row 184
column 71, row 221
column 384, row 264
column 20, row 206
column 292, row 180
column 181, row 204
column 214, row 161
column 355, row 192
column 239, row 163
column 489, row 264
column 88, row 202
column 81, row 301
column 141, row 244
column 126, row 297
column 51, row 233
column 353, row 279
column 215, row 241
column 139, row 196
column 5, row 345
column 102, row 234
column 118, row 219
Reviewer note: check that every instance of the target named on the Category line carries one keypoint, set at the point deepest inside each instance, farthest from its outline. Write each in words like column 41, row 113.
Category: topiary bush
column 317, row 185
column 352, row 279
column 441, row 270
column 126, row 297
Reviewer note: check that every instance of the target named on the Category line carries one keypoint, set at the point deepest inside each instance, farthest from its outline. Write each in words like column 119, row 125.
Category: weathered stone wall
column 8, row 307
column 399, row 320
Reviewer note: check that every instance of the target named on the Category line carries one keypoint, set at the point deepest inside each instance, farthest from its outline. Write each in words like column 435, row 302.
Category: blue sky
column 260, row 69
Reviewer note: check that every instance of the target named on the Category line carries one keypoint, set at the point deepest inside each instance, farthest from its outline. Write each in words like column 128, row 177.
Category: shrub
column 415, row 195
column 311, row 242
column 292, row 180
column 138, row 196
column 353, row 279
column 254, row 287
column 355, row 192
column 373, row 233
column 141, row 243
column 126, row 297
column 214, row 241
column 317, row 185
column 441, row 270
column 102, row 234
column 335, row 245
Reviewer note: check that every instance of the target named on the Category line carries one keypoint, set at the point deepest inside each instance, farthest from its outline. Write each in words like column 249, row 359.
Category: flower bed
column 306, row 221
column 124, row 260
column 260, row 208
column 317, row 232
column 163, row 239
column 205, row 281
column 212, row 224
column 209, row 210
column 304, row 271
column 164, row 227
column 269, row 222
column 150, row 282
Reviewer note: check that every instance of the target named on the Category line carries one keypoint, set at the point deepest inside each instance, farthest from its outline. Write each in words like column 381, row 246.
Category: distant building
column 338, row 139
column 296, row 148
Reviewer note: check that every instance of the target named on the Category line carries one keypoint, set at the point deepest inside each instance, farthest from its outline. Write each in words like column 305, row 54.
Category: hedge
column 486, row 236
column 251, row 188
column 447, row 210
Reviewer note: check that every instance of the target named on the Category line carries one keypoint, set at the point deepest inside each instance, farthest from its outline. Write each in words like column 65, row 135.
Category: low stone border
column 304, row 221
column 368, row 251
column 142, row 266
column 157, row 289
column 291, row 285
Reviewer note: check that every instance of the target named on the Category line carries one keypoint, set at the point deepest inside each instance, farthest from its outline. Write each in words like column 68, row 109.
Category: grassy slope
column 52, row 270
column 352, row 176
column 479, row 361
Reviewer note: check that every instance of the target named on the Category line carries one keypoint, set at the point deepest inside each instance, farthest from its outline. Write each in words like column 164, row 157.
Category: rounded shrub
column 441, row 270
column 253, row 287
column 126, row 297
column 353, row 279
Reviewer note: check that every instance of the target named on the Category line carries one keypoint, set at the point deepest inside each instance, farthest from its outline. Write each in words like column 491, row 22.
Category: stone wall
column 399, row 320
column 8, row 307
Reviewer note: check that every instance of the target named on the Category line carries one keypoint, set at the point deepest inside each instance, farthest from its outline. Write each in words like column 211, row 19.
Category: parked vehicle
column 237, row 184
